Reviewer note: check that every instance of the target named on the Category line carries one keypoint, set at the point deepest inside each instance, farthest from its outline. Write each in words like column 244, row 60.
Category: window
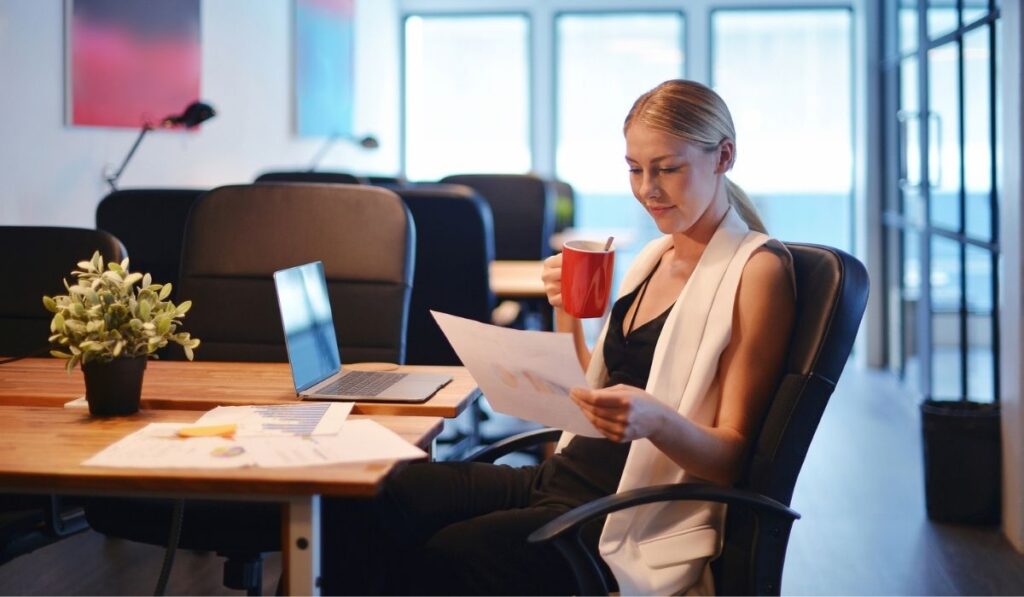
column 636, row 51
column 455, row 121
column 794, row 141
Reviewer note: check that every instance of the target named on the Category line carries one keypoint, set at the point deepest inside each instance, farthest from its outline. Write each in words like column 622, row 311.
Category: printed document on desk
column 267, row 437
column 300, row 419
column 522, row 373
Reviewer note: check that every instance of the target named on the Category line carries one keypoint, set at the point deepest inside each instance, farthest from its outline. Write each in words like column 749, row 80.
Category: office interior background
column 891, row 129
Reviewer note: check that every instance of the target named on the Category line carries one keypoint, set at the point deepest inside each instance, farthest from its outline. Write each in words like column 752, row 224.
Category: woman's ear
column 726, row 156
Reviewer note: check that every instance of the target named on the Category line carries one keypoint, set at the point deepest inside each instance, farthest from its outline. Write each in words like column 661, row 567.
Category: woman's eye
column 675, row 169
column 634, row 170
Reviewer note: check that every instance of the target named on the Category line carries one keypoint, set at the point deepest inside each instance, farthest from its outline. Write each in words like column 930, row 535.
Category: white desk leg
column 301, row 541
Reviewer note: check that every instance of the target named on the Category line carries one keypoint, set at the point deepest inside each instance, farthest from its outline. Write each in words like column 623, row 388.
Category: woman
column 682, row 372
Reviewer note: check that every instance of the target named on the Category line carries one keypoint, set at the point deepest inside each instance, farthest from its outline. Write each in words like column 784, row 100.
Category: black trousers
column 447, row 528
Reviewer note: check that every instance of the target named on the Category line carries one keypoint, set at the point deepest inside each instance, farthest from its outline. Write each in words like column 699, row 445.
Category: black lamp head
column 369, row 142
column 196, row 113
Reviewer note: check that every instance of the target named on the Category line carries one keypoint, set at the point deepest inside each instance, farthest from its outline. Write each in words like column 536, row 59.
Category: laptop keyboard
column 361, row 383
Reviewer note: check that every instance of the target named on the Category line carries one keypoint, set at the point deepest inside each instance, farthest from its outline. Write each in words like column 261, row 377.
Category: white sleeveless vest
column 664, row 548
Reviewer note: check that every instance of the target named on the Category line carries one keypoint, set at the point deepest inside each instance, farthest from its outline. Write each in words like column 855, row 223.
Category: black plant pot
column 113, row 389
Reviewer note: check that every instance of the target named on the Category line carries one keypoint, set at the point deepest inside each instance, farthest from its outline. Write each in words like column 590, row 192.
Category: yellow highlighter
column 208, row 431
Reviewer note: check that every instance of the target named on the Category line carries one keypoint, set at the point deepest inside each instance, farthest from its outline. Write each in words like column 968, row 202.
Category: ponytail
column 744, row 206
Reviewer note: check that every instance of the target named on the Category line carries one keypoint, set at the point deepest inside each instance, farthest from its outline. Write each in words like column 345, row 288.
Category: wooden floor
column 863, row 531
column 861, row 494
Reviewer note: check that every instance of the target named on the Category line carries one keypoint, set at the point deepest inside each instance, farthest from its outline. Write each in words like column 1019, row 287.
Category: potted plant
column 111, row 321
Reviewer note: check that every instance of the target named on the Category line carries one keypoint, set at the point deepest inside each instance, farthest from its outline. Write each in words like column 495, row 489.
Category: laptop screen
column 308, row 324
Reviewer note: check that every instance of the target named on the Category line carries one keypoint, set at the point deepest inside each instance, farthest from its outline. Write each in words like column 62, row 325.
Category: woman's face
column 674, row 180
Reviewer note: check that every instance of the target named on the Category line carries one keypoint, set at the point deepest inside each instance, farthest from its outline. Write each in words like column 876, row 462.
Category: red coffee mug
column 586, row 277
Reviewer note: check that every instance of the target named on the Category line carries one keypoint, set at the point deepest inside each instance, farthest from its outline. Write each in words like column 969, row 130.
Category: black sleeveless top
column 589, row 468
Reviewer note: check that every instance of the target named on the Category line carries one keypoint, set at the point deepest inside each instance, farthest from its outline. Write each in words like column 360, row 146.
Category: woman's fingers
column 613, row 408
column 552, row 278
column 612, row 430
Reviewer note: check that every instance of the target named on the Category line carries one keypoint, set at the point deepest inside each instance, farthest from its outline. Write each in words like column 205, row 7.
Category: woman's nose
column 648, row 186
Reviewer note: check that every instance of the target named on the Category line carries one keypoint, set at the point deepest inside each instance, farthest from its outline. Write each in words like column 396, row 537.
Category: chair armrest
column 514, row 443
column 564, row 531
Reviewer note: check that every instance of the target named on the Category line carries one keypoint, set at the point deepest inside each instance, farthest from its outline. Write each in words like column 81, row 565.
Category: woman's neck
column 689, row 244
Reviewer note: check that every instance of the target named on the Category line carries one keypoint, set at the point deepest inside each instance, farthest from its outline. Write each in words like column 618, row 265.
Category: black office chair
column 523, row 209
column 151, row 224
column 454, row 250
column 236, row 237
column 832, row 289
column 239, row 235
column 390, row 182
column 309, row 176
column 565, row 205
column 38, row 258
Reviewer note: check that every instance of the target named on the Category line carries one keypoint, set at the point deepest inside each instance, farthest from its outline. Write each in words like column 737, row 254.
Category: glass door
column 941, row 215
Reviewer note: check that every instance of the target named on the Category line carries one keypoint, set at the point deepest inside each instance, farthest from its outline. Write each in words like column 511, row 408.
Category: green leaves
column 111, row 313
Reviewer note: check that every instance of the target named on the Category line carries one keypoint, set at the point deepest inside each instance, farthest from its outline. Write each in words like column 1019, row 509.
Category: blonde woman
column 680, row 378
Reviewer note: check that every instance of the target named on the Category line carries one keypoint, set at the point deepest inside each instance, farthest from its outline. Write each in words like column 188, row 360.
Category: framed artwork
column 129, row 62
column 324, row 67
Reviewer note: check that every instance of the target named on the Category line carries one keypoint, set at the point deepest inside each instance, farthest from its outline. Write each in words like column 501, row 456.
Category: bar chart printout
column 297, row 420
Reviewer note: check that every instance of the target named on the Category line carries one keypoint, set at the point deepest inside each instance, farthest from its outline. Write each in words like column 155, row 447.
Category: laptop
column 313, row 349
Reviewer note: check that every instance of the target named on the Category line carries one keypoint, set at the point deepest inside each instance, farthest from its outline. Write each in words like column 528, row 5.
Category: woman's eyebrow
column 659, row 158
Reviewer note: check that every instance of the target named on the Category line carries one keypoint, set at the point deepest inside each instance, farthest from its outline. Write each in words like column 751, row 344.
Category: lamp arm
column 112, row 179
column 323, row 152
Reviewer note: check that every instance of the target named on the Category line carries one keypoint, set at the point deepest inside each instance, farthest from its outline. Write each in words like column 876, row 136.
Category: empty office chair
column 37, row 259
column 454, row 249
column 565, row 205
column 151, row 224
column 832, row 289
column 308, row 176
column 523, row 210
column 385, row 181
column 236, row 238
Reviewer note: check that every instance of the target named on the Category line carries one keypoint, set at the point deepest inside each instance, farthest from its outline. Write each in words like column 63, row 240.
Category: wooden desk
column 41, row 450
column 517, row 279
column 183, row 385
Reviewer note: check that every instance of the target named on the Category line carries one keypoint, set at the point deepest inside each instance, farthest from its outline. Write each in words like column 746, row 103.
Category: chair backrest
column 36, row 260
column 238, row 236
column 308, row 176
column 565, row 205
column 832, row 289
column 151, row 224
column 454, row 250
column 523, row 209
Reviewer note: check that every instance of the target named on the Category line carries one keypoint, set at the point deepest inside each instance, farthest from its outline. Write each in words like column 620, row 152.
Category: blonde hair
column 696, row 114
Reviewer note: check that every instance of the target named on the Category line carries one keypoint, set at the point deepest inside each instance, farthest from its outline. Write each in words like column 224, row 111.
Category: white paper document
column 260, row 441
column 313, row 418
column 362, row 440
column 524, row 374
column 157, row 445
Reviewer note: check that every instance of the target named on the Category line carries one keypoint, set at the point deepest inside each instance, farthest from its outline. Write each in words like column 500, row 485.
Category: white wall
column 1011, row 345
column 53, row 173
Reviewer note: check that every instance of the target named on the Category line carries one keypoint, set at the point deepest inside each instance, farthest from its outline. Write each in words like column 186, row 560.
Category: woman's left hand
column 622, row 413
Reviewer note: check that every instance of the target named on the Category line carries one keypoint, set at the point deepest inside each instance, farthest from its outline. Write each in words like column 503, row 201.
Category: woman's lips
column 659, row 209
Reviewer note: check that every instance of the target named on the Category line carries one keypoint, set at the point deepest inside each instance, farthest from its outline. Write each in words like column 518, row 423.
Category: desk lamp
column 367, row 142
column 196, row 113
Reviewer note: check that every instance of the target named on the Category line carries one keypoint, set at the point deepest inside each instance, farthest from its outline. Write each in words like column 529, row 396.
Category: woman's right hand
column 552, row 277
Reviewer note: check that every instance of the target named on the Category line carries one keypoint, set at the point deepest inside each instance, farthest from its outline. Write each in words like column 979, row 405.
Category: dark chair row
column 451, row 271
column 526, row 208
